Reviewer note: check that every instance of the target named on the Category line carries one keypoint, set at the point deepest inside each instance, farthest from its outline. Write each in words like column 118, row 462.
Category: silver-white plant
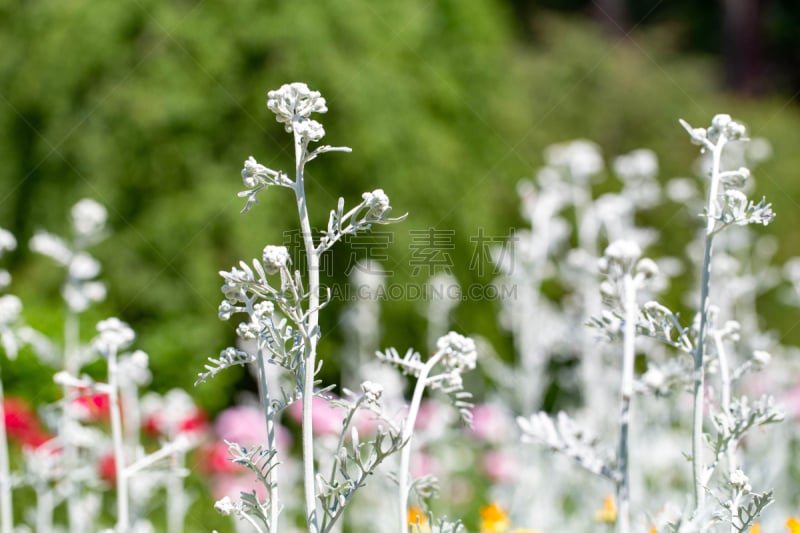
column 704, row 347
column 282, row 306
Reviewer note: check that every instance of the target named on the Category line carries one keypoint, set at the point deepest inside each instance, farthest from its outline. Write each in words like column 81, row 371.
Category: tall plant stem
column 310, row 365
column 725, row 405
column 699, row 355
column 626, row 393
column 269, row 414
column 6, row 507
column 408, row 431
column 123, row 519
column 72, row 366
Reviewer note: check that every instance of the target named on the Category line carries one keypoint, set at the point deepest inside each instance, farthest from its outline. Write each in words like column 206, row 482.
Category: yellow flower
column 756, row 528
column 494, row 519
column 653, row 530
column 793, row 525
column 608, row 513
column 415, row 516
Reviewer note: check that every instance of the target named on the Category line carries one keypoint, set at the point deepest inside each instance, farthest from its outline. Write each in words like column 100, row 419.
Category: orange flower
column 494, row 519
column 756, row 528
column 793, row 525
column 415, row 516
column 608, row 513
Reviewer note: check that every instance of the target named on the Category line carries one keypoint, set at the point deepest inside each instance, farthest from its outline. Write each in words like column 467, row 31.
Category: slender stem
column 176, row 497
column 6, row 507
column 272, row 468
column 408, row 431
column 699, row 354
column 44, row 507
column 72, row 366
column 725, row 405
column 310, row 365
column 123, row 519
column 626, row 393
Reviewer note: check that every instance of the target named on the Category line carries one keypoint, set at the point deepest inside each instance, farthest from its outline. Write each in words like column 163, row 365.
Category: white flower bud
column 7, row 241
column 83, row 266
column 310, row 130
column 294, row 101
column 740, row 481
column 52, row 246
column 275, row 258
column 252, row 169
column 10, row 308
column 372, row 391
column 88, row 217
column 225, row 506
column 459, row 352
column 263, row 309
column 622, row 254
column 761, row 357
column 113, row 335
column 378, row 203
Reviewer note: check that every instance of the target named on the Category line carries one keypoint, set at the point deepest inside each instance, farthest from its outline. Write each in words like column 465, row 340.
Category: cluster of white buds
column 372, row 392
column 722, row 128
column 619, row 256
column 293, row 104
column 88, row 224
column 378, row 204
column 581, row 158
column 636, row 165
column 459, row 352
column 10, row 309
column 113, row 335
column 88, row 218
column 7, row 243
column 275, row 258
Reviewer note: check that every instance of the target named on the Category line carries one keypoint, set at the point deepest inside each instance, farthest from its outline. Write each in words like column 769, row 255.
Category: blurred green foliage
column 150, row 107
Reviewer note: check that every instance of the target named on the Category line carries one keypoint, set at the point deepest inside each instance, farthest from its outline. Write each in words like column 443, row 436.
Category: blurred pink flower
column 232, row 486
column 490, row 423
column 791, row 401
column 246, row 425
column 499, row 466
column 325, row 419
column 423, row 464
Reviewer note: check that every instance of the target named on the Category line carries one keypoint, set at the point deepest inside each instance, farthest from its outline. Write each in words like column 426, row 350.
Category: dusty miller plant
column 722, row 491
column 282, row 306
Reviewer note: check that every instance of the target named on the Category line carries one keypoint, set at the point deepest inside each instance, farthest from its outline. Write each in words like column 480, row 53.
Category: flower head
column 113, row 334
column 252, row 169
column 309, row 129
column 10, row 309
column 88, row 217
column 620, row 256
column 494, row 519
column 275, row 258
column 793, row 525
column 294, row 102
column 372, row 392
column 607, row 513
column 459, row 352
column 7, row 241
column 378, row 204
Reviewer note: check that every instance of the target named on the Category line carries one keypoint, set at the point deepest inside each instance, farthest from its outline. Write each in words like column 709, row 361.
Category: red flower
column 107, row 468
column 158, row 425
column 214, row 459
column 95, row 407
column 22, row 425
